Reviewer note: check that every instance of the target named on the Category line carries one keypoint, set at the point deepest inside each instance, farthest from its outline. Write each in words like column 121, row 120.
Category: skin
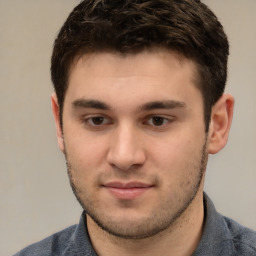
column 136, row 149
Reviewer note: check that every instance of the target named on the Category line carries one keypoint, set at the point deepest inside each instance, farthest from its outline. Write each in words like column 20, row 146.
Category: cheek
column 172, row 149
column 84, row 153
column 176, row 157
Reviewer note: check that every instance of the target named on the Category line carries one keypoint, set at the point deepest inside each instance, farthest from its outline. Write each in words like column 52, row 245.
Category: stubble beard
column 149, row 227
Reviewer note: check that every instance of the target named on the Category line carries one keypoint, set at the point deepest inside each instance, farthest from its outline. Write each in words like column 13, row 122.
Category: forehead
column 148, row 74
column 111, row 63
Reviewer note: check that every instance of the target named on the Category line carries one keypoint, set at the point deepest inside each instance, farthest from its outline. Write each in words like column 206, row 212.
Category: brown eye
column 98, row 120
column 158, row 120
column 94, row 121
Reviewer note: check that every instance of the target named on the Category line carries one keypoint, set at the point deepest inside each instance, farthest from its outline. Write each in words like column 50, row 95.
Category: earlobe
column 221, row 118
column 55, row 110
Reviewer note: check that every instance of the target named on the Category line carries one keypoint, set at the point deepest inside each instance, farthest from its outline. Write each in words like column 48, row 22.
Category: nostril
column 126, row 161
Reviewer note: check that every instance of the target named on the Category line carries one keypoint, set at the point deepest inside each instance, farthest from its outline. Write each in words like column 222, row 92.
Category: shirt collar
column 216, row 238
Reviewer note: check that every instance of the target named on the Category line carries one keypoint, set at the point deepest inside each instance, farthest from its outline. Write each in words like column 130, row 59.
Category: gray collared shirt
column 221, row 237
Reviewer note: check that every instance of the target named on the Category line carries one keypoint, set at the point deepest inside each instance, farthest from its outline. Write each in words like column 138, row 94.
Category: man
column 138, row 107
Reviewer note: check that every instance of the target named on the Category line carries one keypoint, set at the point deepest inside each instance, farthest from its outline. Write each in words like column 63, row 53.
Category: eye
column 157, row 121
column 96, row 121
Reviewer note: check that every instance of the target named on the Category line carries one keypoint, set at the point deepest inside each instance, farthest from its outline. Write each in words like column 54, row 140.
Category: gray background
column 35, row 197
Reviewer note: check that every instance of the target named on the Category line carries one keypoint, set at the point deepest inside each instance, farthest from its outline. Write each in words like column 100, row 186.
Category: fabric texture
column 221, row 236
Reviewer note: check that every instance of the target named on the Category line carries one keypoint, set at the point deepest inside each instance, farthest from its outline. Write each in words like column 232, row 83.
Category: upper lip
column 131, row 184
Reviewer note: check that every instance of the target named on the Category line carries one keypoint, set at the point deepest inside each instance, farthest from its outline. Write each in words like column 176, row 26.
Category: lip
column 127, row 191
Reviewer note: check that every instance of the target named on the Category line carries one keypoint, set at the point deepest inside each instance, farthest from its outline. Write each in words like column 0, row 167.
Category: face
column 134, row 139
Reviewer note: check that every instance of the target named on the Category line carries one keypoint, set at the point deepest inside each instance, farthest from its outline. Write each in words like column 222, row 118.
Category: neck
column 181, row 239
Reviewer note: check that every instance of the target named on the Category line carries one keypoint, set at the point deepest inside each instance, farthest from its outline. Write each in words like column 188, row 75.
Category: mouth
column 127, row 191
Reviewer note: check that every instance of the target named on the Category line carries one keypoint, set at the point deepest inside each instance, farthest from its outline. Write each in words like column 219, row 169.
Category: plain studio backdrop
column 35, row 198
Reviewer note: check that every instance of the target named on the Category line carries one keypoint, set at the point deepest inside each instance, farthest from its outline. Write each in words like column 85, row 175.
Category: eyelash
column 162, row 120
column 89, row 121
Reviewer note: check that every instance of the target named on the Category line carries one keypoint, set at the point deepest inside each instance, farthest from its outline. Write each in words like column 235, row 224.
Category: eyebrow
column 167, row 104
column 84, row 103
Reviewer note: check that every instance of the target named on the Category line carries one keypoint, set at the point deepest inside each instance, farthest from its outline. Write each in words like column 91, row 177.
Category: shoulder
column 224, row 236
column 243, row 238
column 55, row 244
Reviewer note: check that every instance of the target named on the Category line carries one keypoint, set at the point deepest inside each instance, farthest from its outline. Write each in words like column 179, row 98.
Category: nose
column 126, row 149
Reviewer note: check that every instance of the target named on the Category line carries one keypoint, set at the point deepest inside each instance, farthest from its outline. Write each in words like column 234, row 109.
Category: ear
column 55, row 110
column 221, row 118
